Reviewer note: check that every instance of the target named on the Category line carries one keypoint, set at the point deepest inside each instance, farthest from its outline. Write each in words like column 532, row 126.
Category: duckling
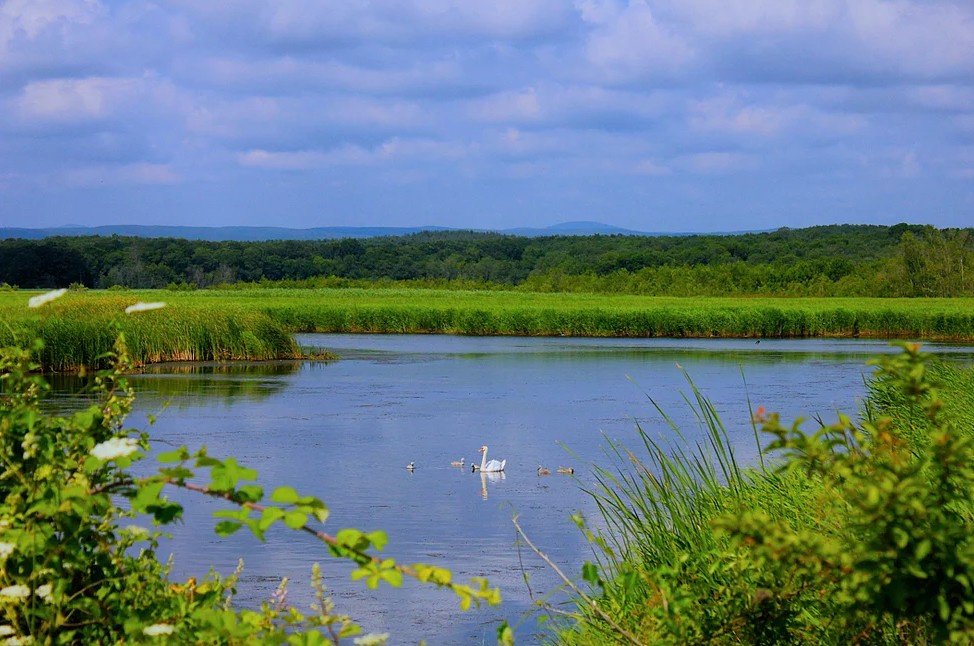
column 458, row 463
column 568, row 470
column 411, row 466
column 542, row 471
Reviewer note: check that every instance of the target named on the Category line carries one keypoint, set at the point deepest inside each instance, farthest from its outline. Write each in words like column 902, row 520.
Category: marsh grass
column 658, row 505
column 256, row 323
column 79, row 330
column 545, row 314
column 855, row 533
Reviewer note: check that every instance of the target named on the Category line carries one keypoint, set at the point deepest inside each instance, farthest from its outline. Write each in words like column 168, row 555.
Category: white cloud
column 387, row 152
column 600, row 92
column 725, row 114
column 629, row 42
column 778, row 117
column 72, row 99
column 751, row 17
column 651, row 168
column 292, row 75
column 924, row 39
column 297, row 160
column 949, row 98
column 517, row 106
column 139, row 173
column 82, row 100
column 552, row 105
column 31, row 18
column 716, row 162
column 298, row 24
column 821, row 38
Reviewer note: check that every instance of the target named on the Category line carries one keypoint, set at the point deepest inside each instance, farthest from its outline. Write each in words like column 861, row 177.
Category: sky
column 651, row 115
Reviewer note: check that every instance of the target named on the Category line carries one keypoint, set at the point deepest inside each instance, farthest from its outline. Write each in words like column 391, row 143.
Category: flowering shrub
column 78, row 566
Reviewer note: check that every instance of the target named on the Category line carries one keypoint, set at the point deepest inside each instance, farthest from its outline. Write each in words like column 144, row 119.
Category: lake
column 345, row 430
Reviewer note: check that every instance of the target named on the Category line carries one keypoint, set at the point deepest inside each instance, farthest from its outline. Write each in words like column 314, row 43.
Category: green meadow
column 256, row 324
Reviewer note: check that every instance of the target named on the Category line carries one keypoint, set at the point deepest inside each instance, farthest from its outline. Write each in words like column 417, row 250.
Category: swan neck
column 483, row 461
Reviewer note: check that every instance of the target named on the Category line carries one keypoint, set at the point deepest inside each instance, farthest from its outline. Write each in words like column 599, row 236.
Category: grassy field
column 255, row 324
column 517, row 313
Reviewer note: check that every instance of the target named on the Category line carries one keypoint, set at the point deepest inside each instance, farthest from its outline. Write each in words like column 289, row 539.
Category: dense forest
column 840, row 260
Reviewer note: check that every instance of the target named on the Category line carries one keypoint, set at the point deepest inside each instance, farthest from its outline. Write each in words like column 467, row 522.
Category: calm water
column 345, row 430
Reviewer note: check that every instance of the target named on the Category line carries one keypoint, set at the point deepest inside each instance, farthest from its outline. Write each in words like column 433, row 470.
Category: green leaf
column 378, row 539
column 270, row 516
column 321, row 513
column 392, row 577
column 146, row 495
column 285, row 495
column 179, row 455
column 238, row 514
column 351, row 537
column 250, row 493
column 227, row 527
column 590, row 573
column 176, row 473
column 295, row 519
column 923, row 549
column 505, row 635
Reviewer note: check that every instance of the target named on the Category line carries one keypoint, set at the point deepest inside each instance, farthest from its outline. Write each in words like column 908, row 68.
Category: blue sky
column 677, row 115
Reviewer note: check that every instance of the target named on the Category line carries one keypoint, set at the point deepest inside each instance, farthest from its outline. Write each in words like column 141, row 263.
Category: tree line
column 840, row 260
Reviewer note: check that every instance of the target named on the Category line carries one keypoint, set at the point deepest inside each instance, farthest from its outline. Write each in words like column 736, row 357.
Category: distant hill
column 214, row 234
column 251, row 234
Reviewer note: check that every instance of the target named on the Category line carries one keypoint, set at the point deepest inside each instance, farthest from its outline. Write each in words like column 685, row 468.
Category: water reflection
column 324, row 428
column 493, row 477
column 181, row 384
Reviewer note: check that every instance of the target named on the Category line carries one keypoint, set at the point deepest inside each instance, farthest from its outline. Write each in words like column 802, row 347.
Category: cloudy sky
column 654, row 115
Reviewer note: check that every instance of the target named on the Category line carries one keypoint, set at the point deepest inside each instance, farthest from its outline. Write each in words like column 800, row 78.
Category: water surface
column 345, row 430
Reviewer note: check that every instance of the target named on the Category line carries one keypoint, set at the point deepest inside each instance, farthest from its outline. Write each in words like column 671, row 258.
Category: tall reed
column 658, row 548
column 80, row 329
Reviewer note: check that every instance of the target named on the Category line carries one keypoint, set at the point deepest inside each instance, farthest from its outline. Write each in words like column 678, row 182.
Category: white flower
column 158, row 629
column 116, row 447
column 14, row 592
column 37, row 301
column 6, row 549
column 372, row 639
column 142, row 307
column 137, row 531
column 44, row 591
column 6, row 630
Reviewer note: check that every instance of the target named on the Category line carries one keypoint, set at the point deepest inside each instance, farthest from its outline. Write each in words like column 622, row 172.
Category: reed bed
column 80, row 330
column 659, row 502
column 256, row 323
column 535, row 314
column 696, row 549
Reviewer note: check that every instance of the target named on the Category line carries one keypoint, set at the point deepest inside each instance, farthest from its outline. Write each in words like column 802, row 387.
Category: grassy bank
column 255, row 324
column 535, row 314
column 78, row 329
column 853, row 532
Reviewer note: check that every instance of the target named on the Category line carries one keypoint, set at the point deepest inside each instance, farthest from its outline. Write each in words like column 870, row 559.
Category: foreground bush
column 857, row 533
column 78, row 564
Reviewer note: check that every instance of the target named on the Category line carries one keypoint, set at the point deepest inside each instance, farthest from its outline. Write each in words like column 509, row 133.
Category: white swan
column 493, row 466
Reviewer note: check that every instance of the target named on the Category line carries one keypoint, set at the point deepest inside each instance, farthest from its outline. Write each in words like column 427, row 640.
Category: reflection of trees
column 186, row 380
